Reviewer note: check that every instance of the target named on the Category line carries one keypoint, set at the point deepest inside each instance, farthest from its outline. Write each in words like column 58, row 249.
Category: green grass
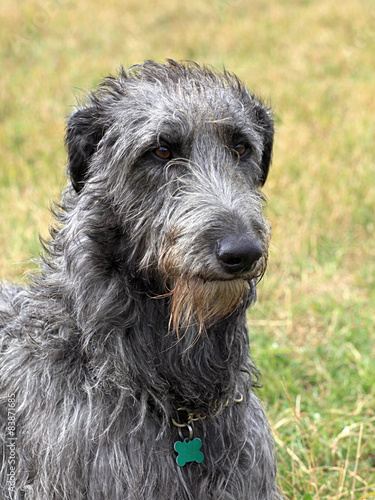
column 312, row 330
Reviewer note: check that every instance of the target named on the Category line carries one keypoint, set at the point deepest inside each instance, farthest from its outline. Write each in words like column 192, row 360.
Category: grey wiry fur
column 139, row 308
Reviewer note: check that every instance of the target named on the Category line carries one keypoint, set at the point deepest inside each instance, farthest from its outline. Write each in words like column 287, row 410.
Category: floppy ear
column 265, row 121
column 83, row 134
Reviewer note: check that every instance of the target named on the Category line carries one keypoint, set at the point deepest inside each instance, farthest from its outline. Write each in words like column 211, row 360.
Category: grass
column 312, row 331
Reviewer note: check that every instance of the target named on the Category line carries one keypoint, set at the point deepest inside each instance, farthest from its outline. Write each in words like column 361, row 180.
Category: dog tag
column 189, row 451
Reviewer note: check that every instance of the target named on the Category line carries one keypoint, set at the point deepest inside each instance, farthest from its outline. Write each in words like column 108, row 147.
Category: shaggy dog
column 124, row 370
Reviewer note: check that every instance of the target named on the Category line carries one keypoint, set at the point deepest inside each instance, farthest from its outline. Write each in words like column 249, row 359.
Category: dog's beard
column 195, row 302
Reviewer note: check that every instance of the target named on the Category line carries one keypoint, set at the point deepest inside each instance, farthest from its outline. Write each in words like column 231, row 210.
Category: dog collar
column 188, row 450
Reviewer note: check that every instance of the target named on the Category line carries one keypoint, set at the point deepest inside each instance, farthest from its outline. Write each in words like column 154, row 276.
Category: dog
column 125, row 370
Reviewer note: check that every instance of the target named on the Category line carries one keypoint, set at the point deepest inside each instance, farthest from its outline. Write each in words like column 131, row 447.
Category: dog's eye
column 240, row 149
column 163, row 153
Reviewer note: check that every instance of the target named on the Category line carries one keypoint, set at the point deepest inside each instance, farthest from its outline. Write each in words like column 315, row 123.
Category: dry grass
column 312, row 330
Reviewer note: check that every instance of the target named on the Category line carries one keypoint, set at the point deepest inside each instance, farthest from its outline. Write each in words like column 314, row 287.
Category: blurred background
column 312, row 330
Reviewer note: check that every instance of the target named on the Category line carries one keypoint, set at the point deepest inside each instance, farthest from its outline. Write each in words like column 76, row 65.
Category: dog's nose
column 238, row 253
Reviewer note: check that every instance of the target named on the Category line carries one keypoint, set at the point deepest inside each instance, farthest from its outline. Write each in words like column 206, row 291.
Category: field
column 312, row 330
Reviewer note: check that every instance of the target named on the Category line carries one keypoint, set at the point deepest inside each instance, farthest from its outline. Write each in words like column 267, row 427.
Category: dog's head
column 179, row 153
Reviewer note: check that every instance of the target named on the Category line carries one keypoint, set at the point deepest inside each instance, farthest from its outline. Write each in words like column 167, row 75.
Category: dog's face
column 178, row 154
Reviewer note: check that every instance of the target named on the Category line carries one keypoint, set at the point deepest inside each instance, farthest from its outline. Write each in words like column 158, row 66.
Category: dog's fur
column 140, row 305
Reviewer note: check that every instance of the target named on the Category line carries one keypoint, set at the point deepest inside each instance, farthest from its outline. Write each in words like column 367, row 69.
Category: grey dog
column 125, row 371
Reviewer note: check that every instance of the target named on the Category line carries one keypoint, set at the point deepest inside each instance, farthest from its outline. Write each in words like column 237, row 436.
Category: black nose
column 238, row 253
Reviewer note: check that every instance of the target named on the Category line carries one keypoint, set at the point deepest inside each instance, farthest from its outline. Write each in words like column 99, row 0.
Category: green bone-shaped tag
column 189, row 451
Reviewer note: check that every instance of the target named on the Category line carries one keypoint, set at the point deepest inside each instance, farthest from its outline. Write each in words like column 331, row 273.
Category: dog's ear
column 83, row 134
column 264, row 119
